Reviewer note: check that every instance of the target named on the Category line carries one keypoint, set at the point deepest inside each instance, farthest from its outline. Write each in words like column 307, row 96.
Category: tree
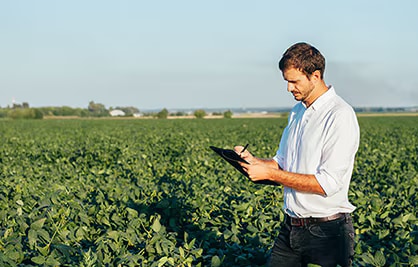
column 200, row 113
column 163, row 114
column 97, row 109
column 178, row 113
column 27, row 113
column 228, row 114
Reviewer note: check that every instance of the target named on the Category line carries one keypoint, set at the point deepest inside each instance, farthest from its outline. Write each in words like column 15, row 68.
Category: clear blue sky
column 202, row 54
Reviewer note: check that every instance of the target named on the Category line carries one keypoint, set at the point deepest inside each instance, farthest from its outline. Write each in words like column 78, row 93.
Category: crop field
column 152, row 193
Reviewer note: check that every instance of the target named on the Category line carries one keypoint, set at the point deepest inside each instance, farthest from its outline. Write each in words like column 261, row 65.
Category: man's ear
column 316, row 76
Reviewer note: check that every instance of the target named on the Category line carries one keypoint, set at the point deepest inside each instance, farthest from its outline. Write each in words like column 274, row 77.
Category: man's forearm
column 269, row 170
column 300, row 182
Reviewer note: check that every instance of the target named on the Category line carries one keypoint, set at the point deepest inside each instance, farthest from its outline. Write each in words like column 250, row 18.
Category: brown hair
column 303, row 57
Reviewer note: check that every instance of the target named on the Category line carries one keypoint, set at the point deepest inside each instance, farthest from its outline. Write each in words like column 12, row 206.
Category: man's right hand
column 245, row 154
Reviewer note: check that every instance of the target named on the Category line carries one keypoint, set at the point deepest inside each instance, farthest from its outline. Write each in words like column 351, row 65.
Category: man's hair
column 303, row 57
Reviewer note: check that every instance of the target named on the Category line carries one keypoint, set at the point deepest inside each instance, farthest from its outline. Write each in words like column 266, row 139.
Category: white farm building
column 117, row 112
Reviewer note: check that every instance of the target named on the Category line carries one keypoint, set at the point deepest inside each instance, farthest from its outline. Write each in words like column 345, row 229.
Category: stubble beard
column 305, row 97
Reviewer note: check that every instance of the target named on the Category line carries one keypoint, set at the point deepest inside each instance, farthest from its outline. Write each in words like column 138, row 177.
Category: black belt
column 312, row 220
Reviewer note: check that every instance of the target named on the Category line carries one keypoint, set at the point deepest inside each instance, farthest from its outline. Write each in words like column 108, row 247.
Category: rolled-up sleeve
column 337, row 156
column 279, row 159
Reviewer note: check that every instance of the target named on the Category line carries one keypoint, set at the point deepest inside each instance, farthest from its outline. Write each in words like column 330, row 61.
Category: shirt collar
column 320, row 101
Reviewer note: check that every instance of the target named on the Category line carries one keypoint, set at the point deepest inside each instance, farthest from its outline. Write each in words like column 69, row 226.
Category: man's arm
column 268, row 169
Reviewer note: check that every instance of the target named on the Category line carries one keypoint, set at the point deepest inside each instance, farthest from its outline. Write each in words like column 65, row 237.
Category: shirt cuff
column 327, row 183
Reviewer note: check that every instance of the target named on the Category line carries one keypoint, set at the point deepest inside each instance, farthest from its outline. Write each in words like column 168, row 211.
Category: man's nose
column 290, row 87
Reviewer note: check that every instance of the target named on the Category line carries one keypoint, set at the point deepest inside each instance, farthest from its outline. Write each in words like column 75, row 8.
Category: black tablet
column 231, row 157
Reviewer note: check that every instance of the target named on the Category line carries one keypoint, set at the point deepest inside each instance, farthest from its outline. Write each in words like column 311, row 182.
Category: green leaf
column 44, row 250
column 15, row 255
column 162, row 261
column 215, row 261
column 384, row 215
column 156, row 226
column 171, row 261
column 181, row 250
column 413, row 259
column 32, row 238
column 84, row 218
column 252, row 229
column 79, row 234
column 158, row 248
column 105, row 221
column 406, row 217
column 38, row 224
column 383, row 233
column 44, row 235
column 51, row 261
column 132, row 212
column 191, row 244
column 114, row 235
column 186, row 237
column 379, row 258
column 367, row 258
column 38, row 260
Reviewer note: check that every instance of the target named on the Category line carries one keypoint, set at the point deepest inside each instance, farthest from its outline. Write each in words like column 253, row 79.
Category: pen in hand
column 245, row 147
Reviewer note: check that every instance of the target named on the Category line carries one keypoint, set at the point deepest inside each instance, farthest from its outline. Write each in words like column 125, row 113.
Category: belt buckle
column 298, row 222
column 301, row 222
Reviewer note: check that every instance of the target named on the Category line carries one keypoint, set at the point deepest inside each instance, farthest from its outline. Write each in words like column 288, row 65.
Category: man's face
column 298, row 84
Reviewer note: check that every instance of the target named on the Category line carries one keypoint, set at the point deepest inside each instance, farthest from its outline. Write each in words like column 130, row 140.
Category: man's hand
column 245, row 154
column 258, row 169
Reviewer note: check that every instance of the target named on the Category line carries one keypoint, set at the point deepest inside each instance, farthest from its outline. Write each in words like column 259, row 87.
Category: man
column 314, row 163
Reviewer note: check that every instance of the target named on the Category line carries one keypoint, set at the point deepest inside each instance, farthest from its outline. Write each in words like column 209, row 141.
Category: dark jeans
column 325, row 244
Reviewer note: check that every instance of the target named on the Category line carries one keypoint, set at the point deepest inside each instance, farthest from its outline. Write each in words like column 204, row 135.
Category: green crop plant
column 151, row 193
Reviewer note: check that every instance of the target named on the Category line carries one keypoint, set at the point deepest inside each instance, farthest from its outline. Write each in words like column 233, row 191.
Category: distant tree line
column 20, row 111
column 24, row 111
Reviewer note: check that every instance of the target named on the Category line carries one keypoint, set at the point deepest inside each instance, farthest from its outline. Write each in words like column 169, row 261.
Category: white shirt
column 321, row 140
